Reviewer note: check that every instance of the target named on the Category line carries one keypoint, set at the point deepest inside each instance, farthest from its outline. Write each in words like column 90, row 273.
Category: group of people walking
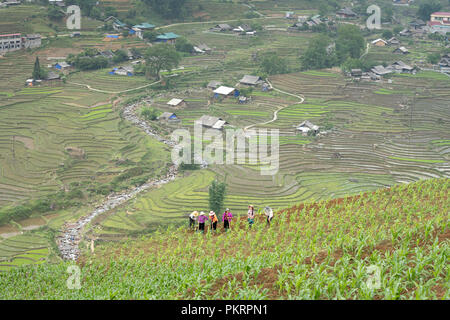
column 201, row 219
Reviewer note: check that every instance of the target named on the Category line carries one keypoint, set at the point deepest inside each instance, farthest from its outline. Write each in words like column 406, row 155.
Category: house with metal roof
column 307, row 127
column 211, row 122
column 346, row 13
column 169, row 117
column 251, row 80
column 175, row 102
column 214, row 84
column 225, row 91
column 401, row 50
column 168, row 37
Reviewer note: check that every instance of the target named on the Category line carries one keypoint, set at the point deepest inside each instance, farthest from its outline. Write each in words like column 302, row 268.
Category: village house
column 225, row 92
column 417, row 24
column 249, row 80
column 139, row 29
column 401, row 50
column 402, row 2
column 381, row 70
column 62, row 65
column 168, row 37
column 243, row 28
column 393, row 41
column 204, row 47
column 15, row 41
column 222, row 27
column 379, row 43
column 122, row 71
column 440, row 22
column 356, row 73
column 116, row 24
column 12, row 3
column 108, row 54
column 401, row 67
column 289, row 15
column 405, row 33
column 346, row 13
column 32, row 41
column 53, row 76
column 214, row 84
column 10, row 42
column 308, row 128
column 168, row 117
column 211, row 122
column 175, row 102
column 444, row 63
column 59, row 3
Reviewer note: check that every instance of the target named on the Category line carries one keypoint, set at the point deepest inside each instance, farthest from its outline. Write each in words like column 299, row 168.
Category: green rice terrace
column 370, row 189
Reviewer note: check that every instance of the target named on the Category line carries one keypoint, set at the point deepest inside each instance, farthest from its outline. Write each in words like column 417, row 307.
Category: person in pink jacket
column 202, row 218
column 226, row 218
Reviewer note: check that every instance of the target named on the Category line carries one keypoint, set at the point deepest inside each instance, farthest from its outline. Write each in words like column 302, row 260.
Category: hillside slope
column 312, row 251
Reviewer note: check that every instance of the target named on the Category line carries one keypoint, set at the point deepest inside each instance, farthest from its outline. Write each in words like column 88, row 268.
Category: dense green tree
column 161, row 56
column 150, row 35
column 149, row 114
column 433, row 58
column 217, row 193
column 349, row 43
column 387, row 34
column 54, row 13
column 39, row 73
column 319, row 54
column 426, row 8
column 171, row 9
column 183, row 45
column 273, row 64
column 120, row 56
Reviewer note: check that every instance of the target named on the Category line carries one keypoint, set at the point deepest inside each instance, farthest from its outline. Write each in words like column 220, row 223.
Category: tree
column 38, row 73
column 387, row 34
column 217, row 193
column 55, row 14
column 183, row 45
column 433, row 58
column 119, row 56
column 273, row 64
column 149, row 114
column 319, row 54
column 349, row 43
column 171, row 9
column 159, row 57
column 427, row 8
column 150, row 35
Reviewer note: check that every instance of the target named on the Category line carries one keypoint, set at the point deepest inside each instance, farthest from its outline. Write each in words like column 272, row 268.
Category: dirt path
column 112, row 92
column 275, row 114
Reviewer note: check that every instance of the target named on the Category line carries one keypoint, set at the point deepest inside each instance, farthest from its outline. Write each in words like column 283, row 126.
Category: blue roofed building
column 168, row 37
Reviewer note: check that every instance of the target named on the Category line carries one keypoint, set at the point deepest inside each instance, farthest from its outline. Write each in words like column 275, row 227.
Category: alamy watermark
column 259, row 148
column 374, row 279
column 74, row 19
column 74, row 281
column 374, row 21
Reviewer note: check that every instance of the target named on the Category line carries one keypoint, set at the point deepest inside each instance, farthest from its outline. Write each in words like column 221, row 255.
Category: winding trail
column 275, row 114
column 72, row 233
column 112, row 92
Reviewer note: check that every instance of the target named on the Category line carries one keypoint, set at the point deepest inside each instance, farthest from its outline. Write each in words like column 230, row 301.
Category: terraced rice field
column 374, row 142
column 31, row 248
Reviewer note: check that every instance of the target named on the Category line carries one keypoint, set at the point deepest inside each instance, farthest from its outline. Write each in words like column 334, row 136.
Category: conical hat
column 195, row 213
column 211, row 213
column 202, row 213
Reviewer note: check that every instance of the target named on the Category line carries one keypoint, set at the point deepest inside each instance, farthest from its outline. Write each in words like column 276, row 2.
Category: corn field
column 389, row 244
